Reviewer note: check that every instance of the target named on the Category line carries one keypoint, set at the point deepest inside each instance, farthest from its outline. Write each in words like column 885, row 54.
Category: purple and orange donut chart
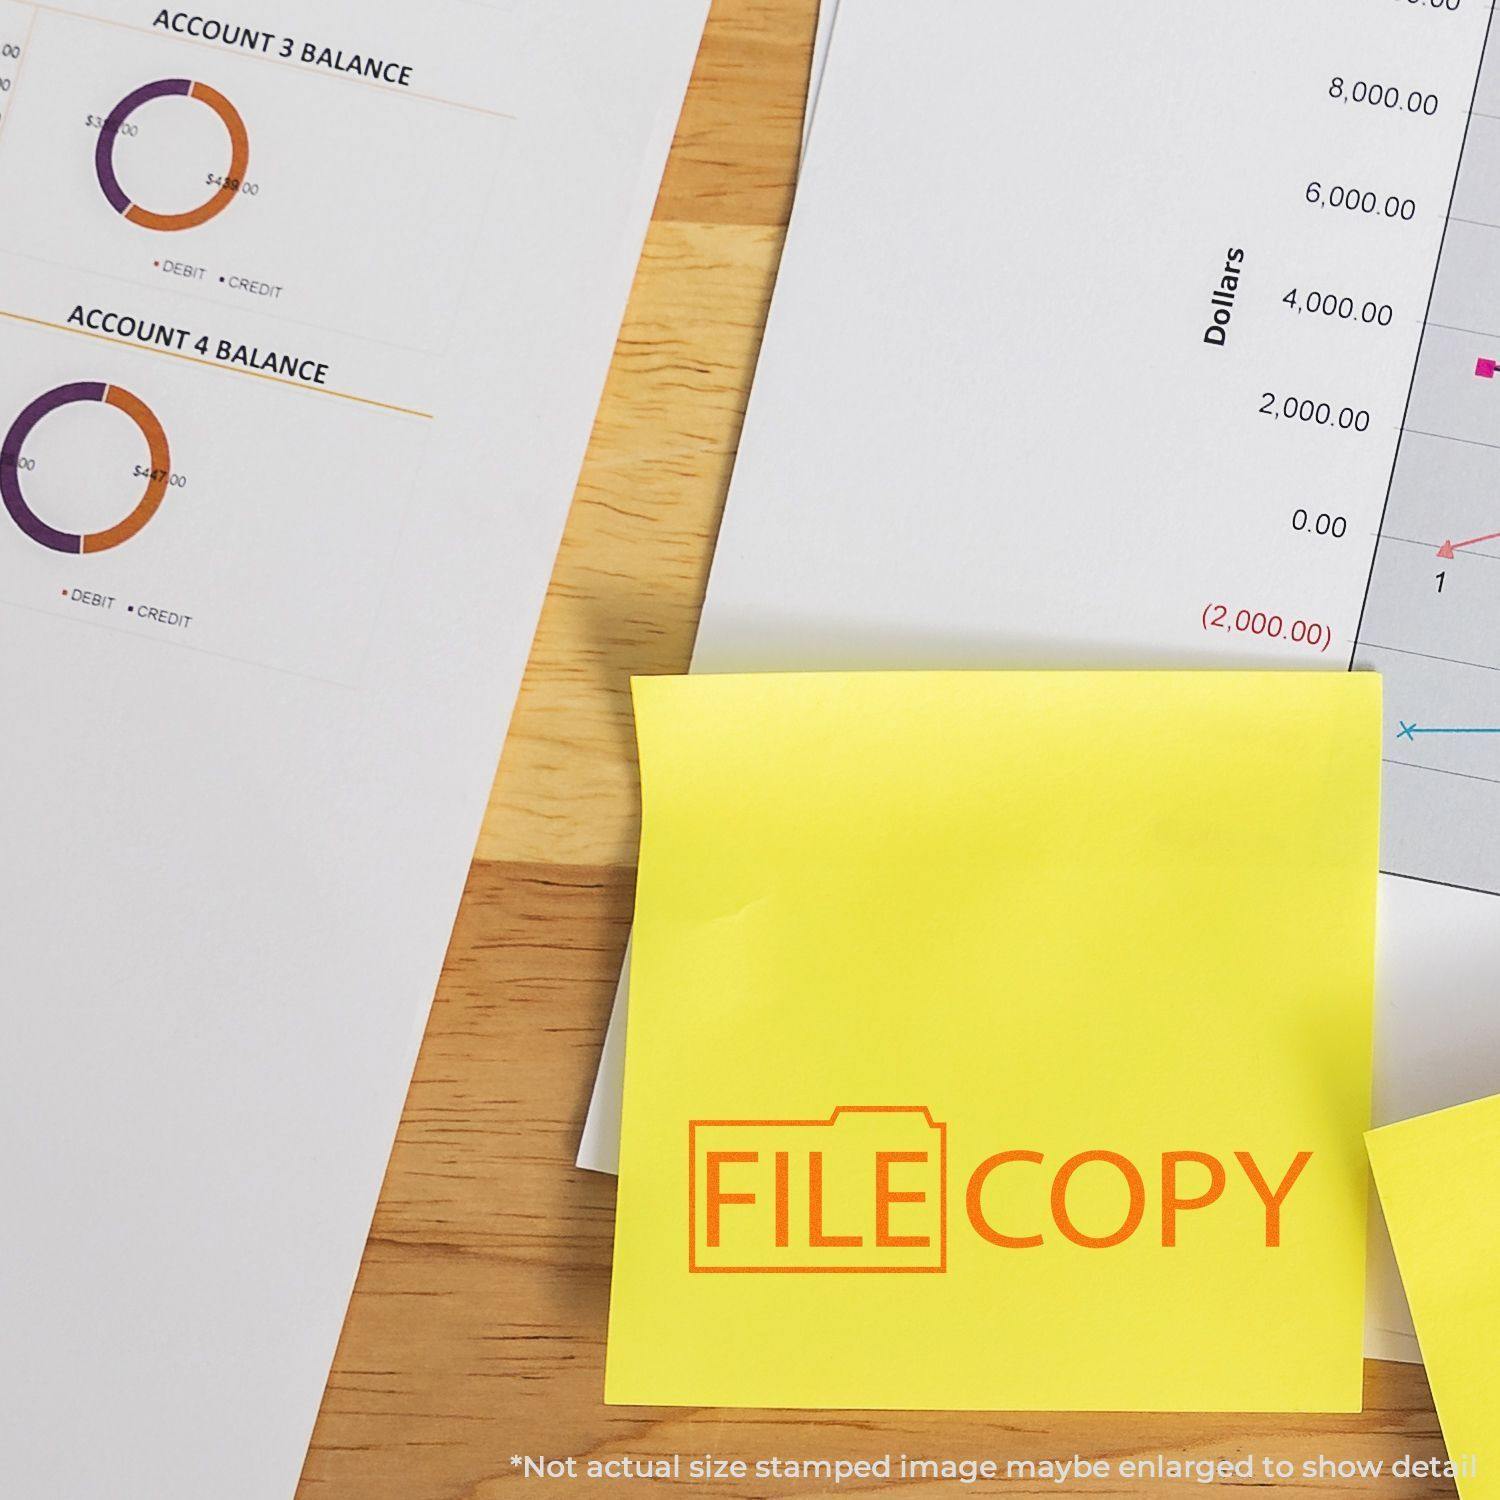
column 167, row 88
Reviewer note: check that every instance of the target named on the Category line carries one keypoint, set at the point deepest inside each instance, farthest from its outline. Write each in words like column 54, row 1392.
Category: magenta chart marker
column 172, row 88
column 1485, row 369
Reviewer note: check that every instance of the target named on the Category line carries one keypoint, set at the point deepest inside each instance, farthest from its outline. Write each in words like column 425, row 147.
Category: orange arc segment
column 156, row 486
column 239, row 164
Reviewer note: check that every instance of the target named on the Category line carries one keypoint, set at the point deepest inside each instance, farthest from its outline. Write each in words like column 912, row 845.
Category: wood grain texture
column 477, row 1328
column 633, row 565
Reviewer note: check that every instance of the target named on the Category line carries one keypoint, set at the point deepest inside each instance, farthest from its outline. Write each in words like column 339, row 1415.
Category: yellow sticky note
column 1439, row 1181
column 999, row 1040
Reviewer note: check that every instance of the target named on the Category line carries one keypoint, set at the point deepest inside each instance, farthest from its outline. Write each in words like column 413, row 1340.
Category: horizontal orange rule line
column 213, row 364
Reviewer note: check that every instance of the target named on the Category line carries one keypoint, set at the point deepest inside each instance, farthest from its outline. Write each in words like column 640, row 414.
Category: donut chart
column 78, row 543
column 167, row 88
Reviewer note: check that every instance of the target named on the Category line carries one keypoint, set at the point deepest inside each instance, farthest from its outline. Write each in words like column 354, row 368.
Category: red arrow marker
column 1448, row 549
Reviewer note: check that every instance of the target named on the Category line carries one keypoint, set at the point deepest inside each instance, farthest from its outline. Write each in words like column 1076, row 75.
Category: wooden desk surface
column 477, row 1329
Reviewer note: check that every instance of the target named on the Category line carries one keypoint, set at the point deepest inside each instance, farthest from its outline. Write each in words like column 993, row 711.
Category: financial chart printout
column 1102, row 353
column 305, row 309
column 181, row 270
column 1431, row 619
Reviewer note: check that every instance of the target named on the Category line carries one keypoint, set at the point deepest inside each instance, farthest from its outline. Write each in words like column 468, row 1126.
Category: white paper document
column 305, row 310
column 827, row 13
column 1102, row 337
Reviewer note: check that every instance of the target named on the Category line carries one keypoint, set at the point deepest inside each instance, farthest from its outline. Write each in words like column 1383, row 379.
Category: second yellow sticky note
column 1439, row 1180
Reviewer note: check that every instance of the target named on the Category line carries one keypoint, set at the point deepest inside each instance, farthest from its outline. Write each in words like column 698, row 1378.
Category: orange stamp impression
column 863, row 1191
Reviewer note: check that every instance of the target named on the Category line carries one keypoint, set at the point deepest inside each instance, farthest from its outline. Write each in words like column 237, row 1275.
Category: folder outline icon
column 752, row 1143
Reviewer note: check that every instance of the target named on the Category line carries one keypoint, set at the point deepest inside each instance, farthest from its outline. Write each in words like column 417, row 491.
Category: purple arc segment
column 10, row 465
column 104, row 150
